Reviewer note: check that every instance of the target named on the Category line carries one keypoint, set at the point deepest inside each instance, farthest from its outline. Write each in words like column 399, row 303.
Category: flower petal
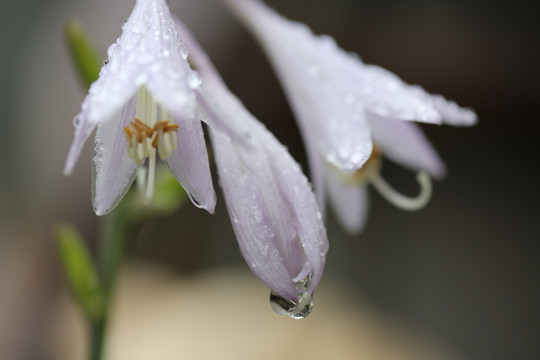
column 350, row 202
column 307, row 68
column 149, row 51
column 273, row 210
column 189, row 163
column 299, row 57
column 404, row 143
column 303, row 206
column 452, row 113
column 251, row 218
column 113, row 169
column 83, row 129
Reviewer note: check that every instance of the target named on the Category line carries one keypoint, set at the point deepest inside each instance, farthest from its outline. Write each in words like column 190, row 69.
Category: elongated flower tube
column 272, row 208
column 144, row 104
column 344, row 106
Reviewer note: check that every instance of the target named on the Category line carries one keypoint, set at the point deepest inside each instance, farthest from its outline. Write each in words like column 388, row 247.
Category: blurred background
column 461, row 275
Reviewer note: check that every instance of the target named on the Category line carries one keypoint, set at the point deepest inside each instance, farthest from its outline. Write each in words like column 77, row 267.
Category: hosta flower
column 144, row 105
column 273, row 211
column 343, row 106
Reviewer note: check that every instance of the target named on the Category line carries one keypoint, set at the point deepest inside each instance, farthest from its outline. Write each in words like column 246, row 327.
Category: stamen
column 151, row 175
column 142, row 174
column 146, row 135
column 399, row 200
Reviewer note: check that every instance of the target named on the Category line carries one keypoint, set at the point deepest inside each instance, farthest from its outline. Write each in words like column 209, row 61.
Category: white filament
column 149, row 193
column 146, row 109
column 399, row 200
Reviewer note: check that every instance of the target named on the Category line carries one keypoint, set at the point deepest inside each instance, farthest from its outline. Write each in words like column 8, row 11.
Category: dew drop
column 184, row 51
column 111, row 50
column 138, row 27
column 76, row 121
column 194, row 80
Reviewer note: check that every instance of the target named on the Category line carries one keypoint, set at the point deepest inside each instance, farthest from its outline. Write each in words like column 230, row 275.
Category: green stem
column 111, row 248
column 112, row 241
column 97, row 339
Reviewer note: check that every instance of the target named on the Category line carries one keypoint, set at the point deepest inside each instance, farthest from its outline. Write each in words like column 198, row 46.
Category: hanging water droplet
column 296, row 310
column 283, row 306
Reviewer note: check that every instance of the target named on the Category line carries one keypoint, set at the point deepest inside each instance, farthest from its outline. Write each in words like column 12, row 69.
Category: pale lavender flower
column 144, row 103
column 343, row 106
column 272, row 208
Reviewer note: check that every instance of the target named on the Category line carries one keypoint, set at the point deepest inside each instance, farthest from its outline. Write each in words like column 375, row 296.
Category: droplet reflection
column 283, row 306
column 296, row 309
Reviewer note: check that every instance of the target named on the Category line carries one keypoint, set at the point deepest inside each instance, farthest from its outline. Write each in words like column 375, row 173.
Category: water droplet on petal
column 138, row 27
column 184, row 51
column 194, row 80
column 283, row 306
column 111, row 50
column 76, row 121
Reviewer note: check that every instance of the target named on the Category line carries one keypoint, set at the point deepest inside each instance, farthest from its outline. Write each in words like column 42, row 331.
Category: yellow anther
column 137, row 132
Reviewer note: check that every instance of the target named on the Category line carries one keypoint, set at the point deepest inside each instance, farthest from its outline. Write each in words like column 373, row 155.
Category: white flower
column 272, row 208
column 143, row 104
column 344, row 106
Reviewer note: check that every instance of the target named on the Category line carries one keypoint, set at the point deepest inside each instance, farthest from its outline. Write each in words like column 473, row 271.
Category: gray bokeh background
column 465, row 270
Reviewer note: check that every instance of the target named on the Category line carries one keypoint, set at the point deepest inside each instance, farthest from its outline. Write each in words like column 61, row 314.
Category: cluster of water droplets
column 99, row 147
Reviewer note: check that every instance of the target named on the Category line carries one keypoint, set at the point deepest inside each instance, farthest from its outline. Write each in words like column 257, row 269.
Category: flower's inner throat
column 150, row 132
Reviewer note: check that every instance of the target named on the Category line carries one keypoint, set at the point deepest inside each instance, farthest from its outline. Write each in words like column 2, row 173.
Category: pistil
column 371, row 173
column 399, row 200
